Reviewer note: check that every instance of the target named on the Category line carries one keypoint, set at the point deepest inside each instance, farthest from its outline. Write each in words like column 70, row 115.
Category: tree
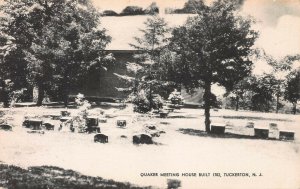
column 263, row 89
column 281, row 68
column 109, row 13
column 292, row 92
column 152, row 9
column 132, row 10
column 147, row 70
column 213, row 47
column 240, row 90
column 60, row 41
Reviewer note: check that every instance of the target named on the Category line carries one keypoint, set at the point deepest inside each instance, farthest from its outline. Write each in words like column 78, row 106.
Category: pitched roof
column 123, row 29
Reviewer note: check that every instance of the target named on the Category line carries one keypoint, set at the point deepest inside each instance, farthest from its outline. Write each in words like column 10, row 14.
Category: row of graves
column 90, row 125
column 250, row 130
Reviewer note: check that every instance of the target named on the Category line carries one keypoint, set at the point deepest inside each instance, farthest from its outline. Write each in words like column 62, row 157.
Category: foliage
column 292, row 92
column 152, row 9
column 143, row 103
column 190, row 7
column 147, row 71
column 109, row 13
column 263, row 89
column 58, row 41
column 132, row 10
column 212, row 47
column 282, row 67
column 176, row 98
column 53, row 177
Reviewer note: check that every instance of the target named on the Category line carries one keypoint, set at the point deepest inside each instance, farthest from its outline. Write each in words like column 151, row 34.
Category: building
column 122, row 30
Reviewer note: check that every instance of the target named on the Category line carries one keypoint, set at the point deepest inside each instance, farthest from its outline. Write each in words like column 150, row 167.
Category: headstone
column 163, row 114
column 101, row 138
column 261, row 133
column 36, row 132
column 48, row 126
column 121, row 123
column 250, row 125
column 273, row 131
column 92, row 121
column 33, row 124
column 5, row 127
column 217, row 128
column 65, row 119
column 65, row 113
column 142, row 139
column 286, row 135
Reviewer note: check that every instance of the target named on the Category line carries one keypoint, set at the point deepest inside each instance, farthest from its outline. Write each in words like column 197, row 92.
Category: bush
column 132, row 10
column 142, row 101
column 109, row 13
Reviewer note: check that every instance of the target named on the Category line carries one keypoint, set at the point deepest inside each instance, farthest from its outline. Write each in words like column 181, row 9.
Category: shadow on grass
column 49, row 177
column 195, row 132
column 254, row 118
column 200, row 133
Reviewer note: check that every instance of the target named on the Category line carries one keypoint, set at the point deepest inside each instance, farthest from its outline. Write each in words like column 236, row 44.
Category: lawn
column 184, row 148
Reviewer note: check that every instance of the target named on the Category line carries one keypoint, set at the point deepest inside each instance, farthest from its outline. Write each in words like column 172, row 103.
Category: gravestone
column 217, row 128
column 261, row 133
column 142, row 139
column 286, row 135
column 121, row 123
column 101, row 138
column 5, row 127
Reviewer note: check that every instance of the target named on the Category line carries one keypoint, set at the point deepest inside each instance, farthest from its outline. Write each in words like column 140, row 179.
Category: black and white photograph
column 149, row 94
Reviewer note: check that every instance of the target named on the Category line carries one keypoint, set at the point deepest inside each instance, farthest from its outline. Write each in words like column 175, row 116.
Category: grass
column 49, row 177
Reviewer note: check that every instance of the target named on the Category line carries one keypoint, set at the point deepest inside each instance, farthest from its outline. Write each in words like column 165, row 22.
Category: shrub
column 132, row 10
column 143, row 103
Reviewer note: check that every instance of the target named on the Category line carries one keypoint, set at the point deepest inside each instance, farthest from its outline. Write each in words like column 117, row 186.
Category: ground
column 179, row 150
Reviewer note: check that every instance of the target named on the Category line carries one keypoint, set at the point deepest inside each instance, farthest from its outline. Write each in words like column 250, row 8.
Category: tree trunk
column 295, row 108
column 66, row 97
column 277, row 102
column 41, row 94
column 237, row 103
column 5, row 99
column 207, row 99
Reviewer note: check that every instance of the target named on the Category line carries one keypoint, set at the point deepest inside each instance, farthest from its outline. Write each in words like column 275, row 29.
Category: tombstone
column 33, row 124
column 142, row 139
column 273, row 131
column 36, row 132
column 163, row 114
column 250, row 125
column 92, row 125
column 65, row 113
column 92, row 121
column 217, row 128
column 286, row 135
column 151, row 126
column 65, row 119
column 93, row 129
column 5, row 127
column 101, row 138
column 249, row 129
column 261, row 133
column 55, row 116
column 48, row 126
column 121, row 123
